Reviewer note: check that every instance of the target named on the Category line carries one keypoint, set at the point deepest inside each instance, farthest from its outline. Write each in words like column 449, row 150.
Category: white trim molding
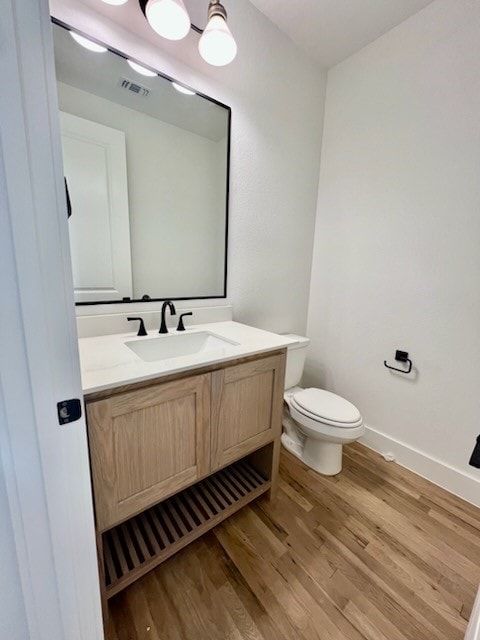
column 453, row 480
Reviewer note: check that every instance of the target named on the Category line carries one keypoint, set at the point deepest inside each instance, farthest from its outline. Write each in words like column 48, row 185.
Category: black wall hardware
column 69, row 410
column 181, row 326
column 141, row 328
column 475, row 457
column 400, row 356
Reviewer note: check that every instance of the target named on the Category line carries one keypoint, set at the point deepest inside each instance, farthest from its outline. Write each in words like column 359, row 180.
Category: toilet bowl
column 316, row 423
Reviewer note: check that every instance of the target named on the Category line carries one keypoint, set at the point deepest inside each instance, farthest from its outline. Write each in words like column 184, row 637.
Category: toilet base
column 291, row 446
column 323, row 457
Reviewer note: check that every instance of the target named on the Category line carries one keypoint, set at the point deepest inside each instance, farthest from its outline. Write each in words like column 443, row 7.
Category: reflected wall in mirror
column 146, row 168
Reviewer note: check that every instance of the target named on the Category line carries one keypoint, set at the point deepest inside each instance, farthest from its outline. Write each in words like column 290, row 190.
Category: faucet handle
column 141, row 328
column 181, row 326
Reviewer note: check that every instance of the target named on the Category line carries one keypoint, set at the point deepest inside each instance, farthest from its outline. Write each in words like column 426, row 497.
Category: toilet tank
column 296, row 354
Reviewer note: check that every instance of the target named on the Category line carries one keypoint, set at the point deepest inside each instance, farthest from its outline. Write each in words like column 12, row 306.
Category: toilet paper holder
column 400, row 356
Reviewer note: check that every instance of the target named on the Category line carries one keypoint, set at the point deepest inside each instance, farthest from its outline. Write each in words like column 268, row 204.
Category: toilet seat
column 327, row 408
column 314, row 429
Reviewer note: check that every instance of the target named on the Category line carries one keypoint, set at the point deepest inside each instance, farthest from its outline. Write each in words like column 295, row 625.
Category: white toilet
column 316, row 423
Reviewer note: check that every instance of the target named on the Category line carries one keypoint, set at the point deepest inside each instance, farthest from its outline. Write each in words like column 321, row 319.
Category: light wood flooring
column 374, row 553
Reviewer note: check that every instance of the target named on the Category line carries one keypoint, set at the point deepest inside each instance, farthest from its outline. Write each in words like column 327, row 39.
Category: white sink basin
column 176, row 345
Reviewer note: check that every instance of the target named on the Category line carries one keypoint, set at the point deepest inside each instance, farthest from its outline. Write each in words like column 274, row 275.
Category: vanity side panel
column 146, row 445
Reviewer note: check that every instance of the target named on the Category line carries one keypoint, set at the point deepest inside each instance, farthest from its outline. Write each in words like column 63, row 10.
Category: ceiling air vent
column 134, row 87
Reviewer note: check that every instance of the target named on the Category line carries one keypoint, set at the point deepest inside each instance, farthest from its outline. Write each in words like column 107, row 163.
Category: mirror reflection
column 146, row 168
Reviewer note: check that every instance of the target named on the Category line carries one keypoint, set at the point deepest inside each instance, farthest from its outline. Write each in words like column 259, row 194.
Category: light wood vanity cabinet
column 173, row 457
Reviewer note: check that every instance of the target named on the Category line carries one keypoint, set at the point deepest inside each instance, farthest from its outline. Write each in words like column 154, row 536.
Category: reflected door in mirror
column 95, row 168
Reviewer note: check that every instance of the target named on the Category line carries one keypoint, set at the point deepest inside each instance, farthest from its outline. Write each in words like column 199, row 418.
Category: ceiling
column 331, row 30
column 327, row 30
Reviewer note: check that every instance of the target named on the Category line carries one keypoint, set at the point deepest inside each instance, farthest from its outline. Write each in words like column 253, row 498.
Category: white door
column 95, row 166
column 49, row 512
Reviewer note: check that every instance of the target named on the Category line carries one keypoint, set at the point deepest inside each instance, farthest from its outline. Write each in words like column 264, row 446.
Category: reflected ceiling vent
column 134, row 87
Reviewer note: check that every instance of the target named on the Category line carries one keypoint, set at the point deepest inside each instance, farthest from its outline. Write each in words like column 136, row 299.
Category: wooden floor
column 375, row 553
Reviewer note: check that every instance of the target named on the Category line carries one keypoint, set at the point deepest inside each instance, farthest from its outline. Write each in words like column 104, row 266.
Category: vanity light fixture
column 182, row 89
column 141, row 69
column 87, row 43
column 170, row 19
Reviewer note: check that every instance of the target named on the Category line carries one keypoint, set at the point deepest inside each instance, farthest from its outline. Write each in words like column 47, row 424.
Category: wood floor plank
column 395, row 522
column 330, row 497
column 465, row 531
column 321, row 607
column 224, row 573
column 164, row 615
column 389, row 582
column 361, row 611
column 412, row 510
column 264, row 581
column 411, row 571
column 375, row 553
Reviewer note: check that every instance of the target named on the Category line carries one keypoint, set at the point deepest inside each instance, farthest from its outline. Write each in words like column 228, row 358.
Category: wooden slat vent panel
column 143, row 542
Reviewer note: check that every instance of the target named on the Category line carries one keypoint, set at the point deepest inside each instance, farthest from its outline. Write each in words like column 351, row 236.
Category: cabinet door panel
column 246, row 408
column 148, row 444
column 155, row 444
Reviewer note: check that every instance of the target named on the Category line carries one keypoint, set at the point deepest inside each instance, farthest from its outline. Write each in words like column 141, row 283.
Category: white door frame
column 46, row 466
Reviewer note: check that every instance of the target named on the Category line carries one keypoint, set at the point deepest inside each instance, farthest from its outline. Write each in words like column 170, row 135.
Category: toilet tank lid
column 300, row 341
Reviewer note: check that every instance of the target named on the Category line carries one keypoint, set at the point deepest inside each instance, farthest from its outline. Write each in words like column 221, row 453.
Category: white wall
column 176, row 198
column 277, row 99
column 397, row 241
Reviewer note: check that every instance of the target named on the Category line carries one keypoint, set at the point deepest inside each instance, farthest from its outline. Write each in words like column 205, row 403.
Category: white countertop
column 106, row 362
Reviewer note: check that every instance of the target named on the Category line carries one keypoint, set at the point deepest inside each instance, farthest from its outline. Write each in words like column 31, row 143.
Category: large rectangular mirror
column 146, row 167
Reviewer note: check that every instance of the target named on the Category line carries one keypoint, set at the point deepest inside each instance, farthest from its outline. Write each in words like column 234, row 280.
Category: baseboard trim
column 453, row 480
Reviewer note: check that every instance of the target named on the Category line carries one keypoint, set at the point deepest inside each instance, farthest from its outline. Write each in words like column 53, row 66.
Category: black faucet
column 173, row 312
